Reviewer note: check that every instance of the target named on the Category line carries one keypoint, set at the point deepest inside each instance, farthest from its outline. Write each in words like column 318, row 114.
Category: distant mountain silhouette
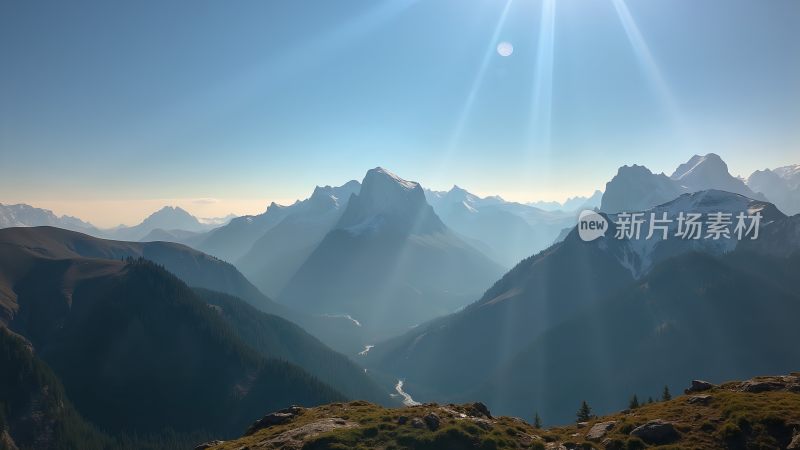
column 166, row 218
column 576, row 203
column 22, row 215
column 506, row 231
column 230, row 242
column 275, row 257
column 781, row 186
column 635, row 188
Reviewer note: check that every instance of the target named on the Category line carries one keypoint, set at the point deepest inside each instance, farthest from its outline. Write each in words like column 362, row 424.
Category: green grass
column 732, row 419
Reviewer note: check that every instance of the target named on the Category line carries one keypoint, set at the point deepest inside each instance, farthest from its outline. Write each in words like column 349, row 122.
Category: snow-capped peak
column 385, row 199
column 790, row 174
column 640, row 253
column 381, row 172
column 709, row 162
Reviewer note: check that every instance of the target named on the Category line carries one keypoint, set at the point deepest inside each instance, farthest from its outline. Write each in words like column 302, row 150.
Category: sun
column 505, row 49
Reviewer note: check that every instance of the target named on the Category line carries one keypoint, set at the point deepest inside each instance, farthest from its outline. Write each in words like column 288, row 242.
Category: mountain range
column 506, row 231
column 781, row 186
column 138, row 351
column 105, row 341
column 576, row 203
column 389, row 261
column 168, row 223
column 636, row 188
column 694, row 313
column 21, row 215
column 276, row 256
column 523, row 343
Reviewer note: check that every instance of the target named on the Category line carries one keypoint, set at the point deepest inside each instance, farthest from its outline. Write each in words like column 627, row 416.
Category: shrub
column 729, row 430
column 634, row 444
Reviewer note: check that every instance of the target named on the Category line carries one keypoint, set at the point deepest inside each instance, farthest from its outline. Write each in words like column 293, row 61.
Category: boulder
column 485, row 424
column 756, row 386
column 416, row 422
column 599, row 430
column 432, row 421
column 481, row 409
column 657, row 432
column 704, row 399
column 699, row 386
column 402, row 420
column 277, row 418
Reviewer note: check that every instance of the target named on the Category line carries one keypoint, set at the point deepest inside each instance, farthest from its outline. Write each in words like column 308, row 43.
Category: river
column 407, row 400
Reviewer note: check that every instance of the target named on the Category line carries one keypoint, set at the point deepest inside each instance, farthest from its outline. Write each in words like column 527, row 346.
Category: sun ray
column 455, row 137
column 542, row 98
column 648, row 63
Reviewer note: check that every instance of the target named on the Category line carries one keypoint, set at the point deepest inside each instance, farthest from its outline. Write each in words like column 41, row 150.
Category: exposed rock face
column 432, row 421
column 699, row 386
column 795, row 444
column 769, row 384
column 276, row 418
column 599, row 430
column 208, row 445
column 386, row 200
column 481, row 409
column 656, row 432
column 762, row 386
column 294, row 438
column 700, row 399
column 635, row 188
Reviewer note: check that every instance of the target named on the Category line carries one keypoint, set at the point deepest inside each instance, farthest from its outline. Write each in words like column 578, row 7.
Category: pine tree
column 585, row 413
column 537, row 421
column 649, row 400
column 666, row 396
column 634, row 403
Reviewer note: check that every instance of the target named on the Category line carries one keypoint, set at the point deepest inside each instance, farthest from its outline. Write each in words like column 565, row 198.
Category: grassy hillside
column 761, row 413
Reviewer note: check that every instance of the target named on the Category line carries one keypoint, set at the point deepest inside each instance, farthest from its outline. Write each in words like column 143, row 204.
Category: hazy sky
column 110, row 109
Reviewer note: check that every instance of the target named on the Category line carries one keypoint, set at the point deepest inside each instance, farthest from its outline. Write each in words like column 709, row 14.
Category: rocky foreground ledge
column 763, row 412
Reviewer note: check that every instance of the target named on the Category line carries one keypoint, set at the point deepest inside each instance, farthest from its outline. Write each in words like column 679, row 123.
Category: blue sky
column 110, row 108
